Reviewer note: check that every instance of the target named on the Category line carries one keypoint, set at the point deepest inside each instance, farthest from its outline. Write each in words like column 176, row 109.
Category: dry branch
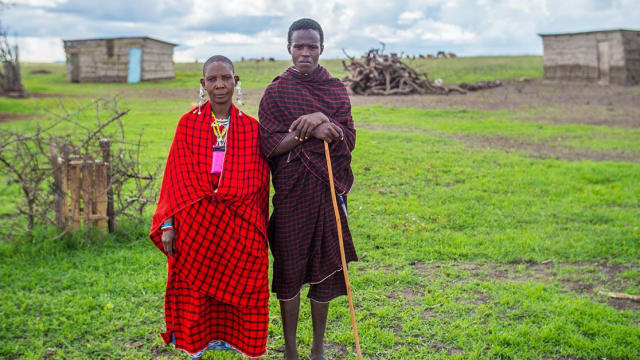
column 33, row 161
column 381, row 74
column 620, row 296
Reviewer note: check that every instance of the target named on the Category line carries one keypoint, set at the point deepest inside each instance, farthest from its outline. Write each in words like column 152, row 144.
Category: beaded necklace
column 220, row 128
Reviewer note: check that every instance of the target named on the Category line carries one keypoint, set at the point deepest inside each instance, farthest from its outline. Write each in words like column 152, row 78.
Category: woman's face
column 219, row 82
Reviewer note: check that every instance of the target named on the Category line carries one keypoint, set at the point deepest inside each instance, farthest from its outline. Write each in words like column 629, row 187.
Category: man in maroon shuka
column 301, row 109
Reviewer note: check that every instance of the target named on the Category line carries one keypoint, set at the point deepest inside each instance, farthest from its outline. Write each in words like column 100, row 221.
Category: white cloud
column 44, row 3
column 48, row 49
column 256, row 28
column 409, row 17
column 437, row 31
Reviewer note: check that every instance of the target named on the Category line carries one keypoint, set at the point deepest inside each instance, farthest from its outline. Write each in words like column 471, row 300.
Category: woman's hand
column 328, row 132
column 168, row 241
column 305, row 124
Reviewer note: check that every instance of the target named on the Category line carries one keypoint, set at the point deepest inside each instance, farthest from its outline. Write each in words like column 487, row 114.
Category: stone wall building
column 125, row 59
column 607, row 57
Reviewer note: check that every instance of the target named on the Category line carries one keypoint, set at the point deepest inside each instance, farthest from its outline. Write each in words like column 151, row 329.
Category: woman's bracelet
column 166, row 227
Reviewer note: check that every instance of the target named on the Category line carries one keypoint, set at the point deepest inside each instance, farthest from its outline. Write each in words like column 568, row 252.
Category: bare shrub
column 29, row 158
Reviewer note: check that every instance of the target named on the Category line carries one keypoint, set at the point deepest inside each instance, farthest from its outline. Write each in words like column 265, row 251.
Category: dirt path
column 4, row 117
column 540, row 101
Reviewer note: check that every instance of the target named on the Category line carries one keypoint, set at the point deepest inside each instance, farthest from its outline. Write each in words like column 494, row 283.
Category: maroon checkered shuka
column 217, row 288
column 302, row 230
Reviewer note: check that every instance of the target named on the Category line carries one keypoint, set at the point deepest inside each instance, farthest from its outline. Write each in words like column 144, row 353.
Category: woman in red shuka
column 211, row 222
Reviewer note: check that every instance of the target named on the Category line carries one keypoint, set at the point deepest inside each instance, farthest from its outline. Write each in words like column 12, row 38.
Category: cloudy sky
column 256, row 28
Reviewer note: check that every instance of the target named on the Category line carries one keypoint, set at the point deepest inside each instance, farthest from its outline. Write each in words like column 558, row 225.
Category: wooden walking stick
column 342, row 255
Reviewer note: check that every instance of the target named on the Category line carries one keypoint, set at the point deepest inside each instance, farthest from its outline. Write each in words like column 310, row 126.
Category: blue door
column 135, row 57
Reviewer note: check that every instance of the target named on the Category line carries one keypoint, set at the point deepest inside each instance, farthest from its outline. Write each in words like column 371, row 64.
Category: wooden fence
column 83, row 189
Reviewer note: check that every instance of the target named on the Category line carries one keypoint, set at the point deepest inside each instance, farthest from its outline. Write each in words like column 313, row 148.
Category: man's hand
column 168, row 241
column 305, row 124
column 328, row 132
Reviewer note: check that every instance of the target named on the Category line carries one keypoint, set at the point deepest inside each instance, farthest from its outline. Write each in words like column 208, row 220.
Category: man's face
column 305, row 49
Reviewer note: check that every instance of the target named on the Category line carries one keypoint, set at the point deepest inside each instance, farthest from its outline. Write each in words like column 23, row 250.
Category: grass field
column 466, row 251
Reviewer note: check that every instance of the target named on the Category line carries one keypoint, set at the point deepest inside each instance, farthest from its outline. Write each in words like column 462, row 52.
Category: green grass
column 466, row 252
column 502, row 124
column 472, row 69
column 257, row 75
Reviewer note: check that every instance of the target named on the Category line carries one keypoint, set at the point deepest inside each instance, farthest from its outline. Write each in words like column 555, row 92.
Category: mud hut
column 124, row 59
column 607, row 57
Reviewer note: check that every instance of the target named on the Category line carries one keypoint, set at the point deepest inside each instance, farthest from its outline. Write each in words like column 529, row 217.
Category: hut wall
column 157, row 60
column 631, row 40
column 107, row 60
column 575, row 56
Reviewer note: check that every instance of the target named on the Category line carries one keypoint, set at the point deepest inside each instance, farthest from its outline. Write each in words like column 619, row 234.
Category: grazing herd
column 259, row 60
column 440, row 55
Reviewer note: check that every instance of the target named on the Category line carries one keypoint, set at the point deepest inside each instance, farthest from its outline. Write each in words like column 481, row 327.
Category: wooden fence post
column 105, row 146
column 66, row 153
column 57, row 186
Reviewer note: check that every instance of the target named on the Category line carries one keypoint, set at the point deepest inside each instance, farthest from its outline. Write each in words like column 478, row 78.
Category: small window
column 110, row 48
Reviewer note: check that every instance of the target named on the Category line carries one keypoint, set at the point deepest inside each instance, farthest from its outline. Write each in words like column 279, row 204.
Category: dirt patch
column 159, row 93
column 160, row 351
column 545, row 150
column 397, row 328
column 338, row 351
column 621, row 304
column 426, row 268
column 46, row 95
column 439, row 347
column 480, row 298
column 4, row 117
column 40, row 72
column 406, row 294
column 542, row 150
column 585, row 278
column 429, row 314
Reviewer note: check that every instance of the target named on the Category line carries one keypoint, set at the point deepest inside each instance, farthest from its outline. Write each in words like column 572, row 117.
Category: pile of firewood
column 381, row 74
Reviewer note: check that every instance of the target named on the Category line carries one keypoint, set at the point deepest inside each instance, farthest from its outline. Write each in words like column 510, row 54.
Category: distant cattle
column 272, row 59
column 451, row 55
column 430, row 56
column 441, row 54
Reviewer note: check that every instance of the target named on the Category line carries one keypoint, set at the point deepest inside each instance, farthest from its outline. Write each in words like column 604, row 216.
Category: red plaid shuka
column 302, row 229
column 217, row 288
